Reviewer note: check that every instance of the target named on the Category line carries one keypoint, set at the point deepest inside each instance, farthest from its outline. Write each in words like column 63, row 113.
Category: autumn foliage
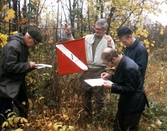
column 55, row 101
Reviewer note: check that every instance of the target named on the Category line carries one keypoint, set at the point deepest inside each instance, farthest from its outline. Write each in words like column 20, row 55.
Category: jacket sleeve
column 128, row 84
column 141, row 60
column 70, row 36
column 10, row 61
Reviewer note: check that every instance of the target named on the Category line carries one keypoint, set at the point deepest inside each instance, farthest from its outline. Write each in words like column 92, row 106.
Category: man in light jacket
column 94, row 45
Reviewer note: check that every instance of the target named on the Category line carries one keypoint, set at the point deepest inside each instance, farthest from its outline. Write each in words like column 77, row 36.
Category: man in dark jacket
column 13, row 69
column 127, row 82
column 134, row 48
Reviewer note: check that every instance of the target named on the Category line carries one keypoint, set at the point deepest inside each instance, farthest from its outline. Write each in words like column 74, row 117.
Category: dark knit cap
column 124, row 30
column 35, row 33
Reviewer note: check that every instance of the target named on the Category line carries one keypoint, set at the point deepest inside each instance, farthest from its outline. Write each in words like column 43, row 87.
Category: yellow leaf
column 16, row 120
column 10, row 121
column 50, row 124
column 153, row 125
column 41, row 98
column 23, row 120
column 152, row 45
column 31, row 80
column 147, row 46
column 19, row 129
column 57, row 127
column 65, row 117
column 23, row 103
column 148, row 50
column 4, row 7
column 71, row 128
column 3, row 39
column 5, row 124
column 7, row 18
column 14, row 32
column 161, row 32
column 11, row 13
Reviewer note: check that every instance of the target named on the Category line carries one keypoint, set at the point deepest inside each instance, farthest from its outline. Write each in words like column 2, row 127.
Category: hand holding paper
column 107, row 84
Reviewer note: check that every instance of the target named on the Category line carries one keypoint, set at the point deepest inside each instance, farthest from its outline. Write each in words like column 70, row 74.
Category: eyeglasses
column 35, row 42
column 98, row 29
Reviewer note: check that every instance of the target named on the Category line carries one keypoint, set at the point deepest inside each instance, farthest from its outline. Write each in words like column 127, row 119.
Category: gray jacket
column 13, row 66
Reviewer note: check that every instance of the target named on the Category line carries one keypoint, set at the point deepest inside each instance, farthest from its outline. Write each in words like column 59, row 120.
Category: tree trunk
column 15, row 27
column 109, row 19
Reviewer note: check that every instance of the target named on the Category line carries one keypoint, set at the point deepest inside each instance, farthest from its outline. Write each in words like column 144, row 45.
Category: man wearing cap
column 14, row 66
column 134, row 48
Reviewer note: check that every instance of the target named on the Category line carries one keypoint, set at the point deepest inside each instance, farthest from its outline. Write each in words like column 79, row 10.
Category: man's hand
column 105, row 75
column 33, row 64
column 108, row 38
column 67, row 29
column 107, row 84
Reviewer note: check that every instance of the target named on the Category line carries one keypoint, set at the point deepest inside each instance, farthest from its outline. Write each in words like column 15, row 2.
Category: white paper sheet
column 39, row 66
column 96, row 82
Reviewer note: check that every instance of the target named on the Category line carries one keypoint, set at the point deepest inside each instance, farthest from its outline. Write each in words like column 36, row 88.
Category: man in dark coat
column 14, row 66
column 134, row 48
column 127, row 82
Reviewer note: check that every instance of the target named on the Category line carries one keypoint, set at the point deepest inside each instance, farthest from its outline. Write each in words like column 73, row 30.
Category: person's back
column 8, row 68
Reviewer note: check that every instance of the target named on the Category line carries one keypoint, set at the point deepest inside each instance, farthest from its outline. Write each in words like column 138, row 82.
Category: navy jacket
column 129, row 84
column 139, row 54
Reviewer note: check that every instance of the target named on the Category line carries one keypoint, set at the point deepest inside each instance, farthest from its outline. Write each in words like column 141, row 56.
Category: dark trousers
column 127, row 122
column 21, row 103
column 5, row 104
column 89, row 91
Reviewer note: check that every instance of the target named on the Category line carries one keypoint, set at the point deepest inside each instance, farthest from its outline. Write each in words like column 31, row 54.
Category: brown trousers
column 89, row 91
